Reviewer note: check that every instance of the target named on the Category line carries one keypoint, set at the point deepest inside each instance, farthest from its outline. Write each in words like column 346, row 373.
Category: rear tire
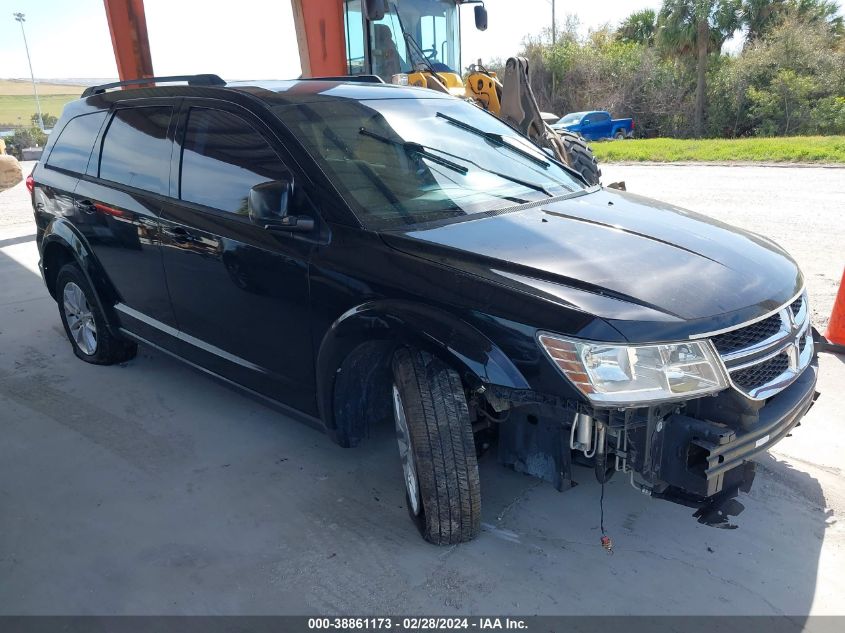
column 583, row 160
column 444, row 476
column 619, row 136
column 84, row 322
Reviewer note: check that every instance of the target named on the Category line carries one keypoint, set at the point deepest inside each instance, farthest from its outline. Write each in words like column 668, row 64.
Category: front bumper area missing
column 702, row 457
column 698, row 456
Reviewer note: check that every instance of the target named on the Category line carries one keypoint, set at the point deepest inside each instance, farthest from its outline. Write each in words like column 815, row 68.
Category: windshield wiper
column 519, row 181
column 423, row 150
column 416, row 148
column 496, row 139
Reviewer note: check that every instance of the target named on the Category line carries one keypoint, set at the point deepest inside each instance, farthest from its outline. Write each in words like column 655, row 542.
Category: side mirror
column 585, row 121
column 269, row 204
column 480, row 17
column 374, row 10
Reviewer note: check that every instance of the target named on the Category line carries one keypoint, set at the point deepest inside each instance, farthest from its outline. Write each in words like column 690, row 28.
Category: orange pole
column 836, row 328
column 321, row 37
column 128, row 28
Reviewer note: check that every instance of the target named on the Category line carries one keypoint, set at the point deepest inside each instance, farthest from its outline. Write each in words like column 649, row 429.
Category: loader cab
column 403, row 41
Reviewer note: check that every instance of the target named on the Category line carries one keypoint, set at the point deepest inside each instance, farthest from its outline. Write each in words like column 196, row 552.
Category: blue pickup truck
column 596, row 125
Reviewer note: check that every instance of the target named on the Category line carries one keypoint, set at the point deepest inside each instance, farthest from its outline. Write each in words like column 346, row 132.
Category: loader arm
column 519, row 108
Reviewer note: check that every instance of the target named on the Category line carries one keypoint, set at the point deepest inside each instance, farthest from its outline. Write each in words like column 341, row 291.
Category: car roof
column 310, row 90
column 271, row 92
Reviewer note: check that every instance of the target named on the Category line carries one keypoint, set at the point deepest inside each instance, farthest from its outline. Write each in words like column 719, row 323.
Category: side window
column 354, row 24
column 223, row 157
column 136, row 151
column 602, row 117
column 387, row 45
column 73, row 147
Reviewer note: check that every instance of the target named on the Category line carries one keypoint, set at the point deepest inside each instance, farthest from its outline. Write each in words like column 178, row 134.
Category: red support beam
column 319, row 32
column 128, row 28
column 321, row 38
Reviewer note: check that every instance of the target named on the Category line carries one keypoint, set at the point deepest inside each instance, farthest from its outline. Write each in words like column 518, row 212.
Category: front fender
column 443, row 334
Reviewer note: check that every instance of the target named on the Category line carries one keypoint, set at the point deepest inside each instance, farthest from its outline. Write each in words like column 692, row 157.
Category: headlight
column 620, row 375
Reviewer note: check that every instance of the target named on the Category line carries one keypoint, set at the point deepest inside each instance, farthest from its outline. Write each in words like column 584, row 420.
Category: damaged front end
column 693, row 451
column 680, row 453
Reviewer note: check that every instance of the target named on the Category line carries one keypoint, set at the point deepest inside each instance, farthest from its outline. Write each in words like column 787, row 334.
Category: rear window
column 136, row 151
column 573, row 117
column 73, row 147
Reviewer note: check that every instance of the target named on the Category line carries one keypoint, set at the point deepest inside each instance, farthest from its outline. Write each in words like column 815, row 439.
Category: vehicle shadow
column 180, row 495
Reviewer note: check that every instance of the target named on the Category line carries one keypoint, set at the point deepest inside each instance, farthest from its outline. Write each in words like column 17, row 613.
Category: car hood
column 618, row 256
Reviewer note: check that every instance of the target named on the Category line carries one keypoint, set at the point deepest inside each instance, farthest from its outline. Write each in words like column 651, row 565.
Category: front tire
column 84, row 322
column 436, row 445
column 581, row 156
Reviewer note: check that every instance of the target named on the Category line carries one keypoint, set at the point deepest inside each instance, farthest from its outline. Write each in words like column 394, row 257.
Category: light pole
column 20, row 17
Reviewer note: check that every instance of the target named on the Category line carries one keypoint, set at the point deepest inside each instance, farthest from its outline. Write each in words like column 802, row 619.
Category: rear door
column 239, row 292
column 119, row 201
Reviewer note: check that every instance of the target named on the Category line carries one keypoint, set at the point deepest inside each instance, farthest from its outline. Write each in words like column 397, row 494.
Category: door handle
column 86, row 206
column 180, row 235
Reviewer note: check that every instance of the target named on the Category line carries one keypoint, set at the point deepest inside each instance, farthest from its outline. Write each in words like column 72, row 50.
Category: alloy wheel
column 406, row 453
column 80, row 319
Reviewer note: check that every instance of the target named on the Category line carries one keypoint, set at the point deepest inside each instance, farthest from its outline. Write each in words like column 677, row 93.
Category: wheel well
column 55, row 256
column 362, row 396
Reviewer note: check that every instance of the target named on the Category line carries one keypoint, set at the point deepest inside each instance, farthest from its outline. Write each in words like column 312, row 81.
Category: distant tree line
column 668, row 71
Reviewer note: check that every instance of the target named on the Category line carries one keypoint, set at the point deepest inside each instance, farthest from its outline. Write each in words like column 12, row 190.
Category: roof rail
column 362, row 79
column 193, row 80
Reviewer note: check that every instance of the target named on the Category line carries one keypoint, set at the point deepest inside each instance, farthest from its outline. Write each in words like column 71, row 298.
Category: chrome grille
column 747, row 336
column 765, row 357
column 762, row 373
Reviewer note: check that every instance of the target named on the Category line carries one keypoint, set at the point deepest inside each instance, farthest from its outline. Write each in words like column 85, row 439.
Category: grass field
column 14, row 106
column 24, row 87
column 17, row 103
column 793, row 149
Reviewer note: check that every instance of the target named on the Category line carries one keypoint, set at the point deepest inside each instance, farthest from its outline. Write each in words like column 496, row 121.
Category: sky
column 246, row 39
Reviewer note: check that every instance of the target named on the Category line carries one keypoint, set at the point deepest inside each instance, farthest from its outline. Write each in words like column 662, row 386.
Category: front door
column 239, row 292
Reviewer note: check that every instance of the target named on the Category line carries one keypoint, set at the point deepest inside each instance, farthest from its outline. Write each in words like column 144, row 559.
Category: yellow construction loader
column 417, row 43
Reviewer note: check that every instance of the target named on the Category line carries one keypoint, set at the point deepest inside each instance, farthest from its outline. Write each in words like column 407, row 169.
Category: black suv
column 361, row 252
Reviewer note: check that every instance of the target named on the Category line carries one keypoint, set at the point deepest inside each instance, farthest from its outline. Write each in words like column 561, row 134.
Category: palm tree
column 759, row 16
column 689, row 28
column 639, row 27
column 819, row 11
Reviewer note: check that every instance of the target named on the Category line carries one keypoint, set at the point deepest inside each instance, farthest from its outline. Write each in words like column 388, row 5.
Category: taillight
column 30, row 183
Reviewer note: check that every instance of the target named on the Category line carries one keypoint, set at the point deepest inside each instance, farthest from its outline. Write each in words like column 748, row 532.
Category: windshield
column 573, row 117
column 401, row 162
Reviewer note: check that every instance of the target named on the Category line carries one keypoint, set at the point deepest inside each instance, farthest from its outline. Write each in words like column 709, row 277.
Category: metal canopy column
column 319, row 32
column 128, row 28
